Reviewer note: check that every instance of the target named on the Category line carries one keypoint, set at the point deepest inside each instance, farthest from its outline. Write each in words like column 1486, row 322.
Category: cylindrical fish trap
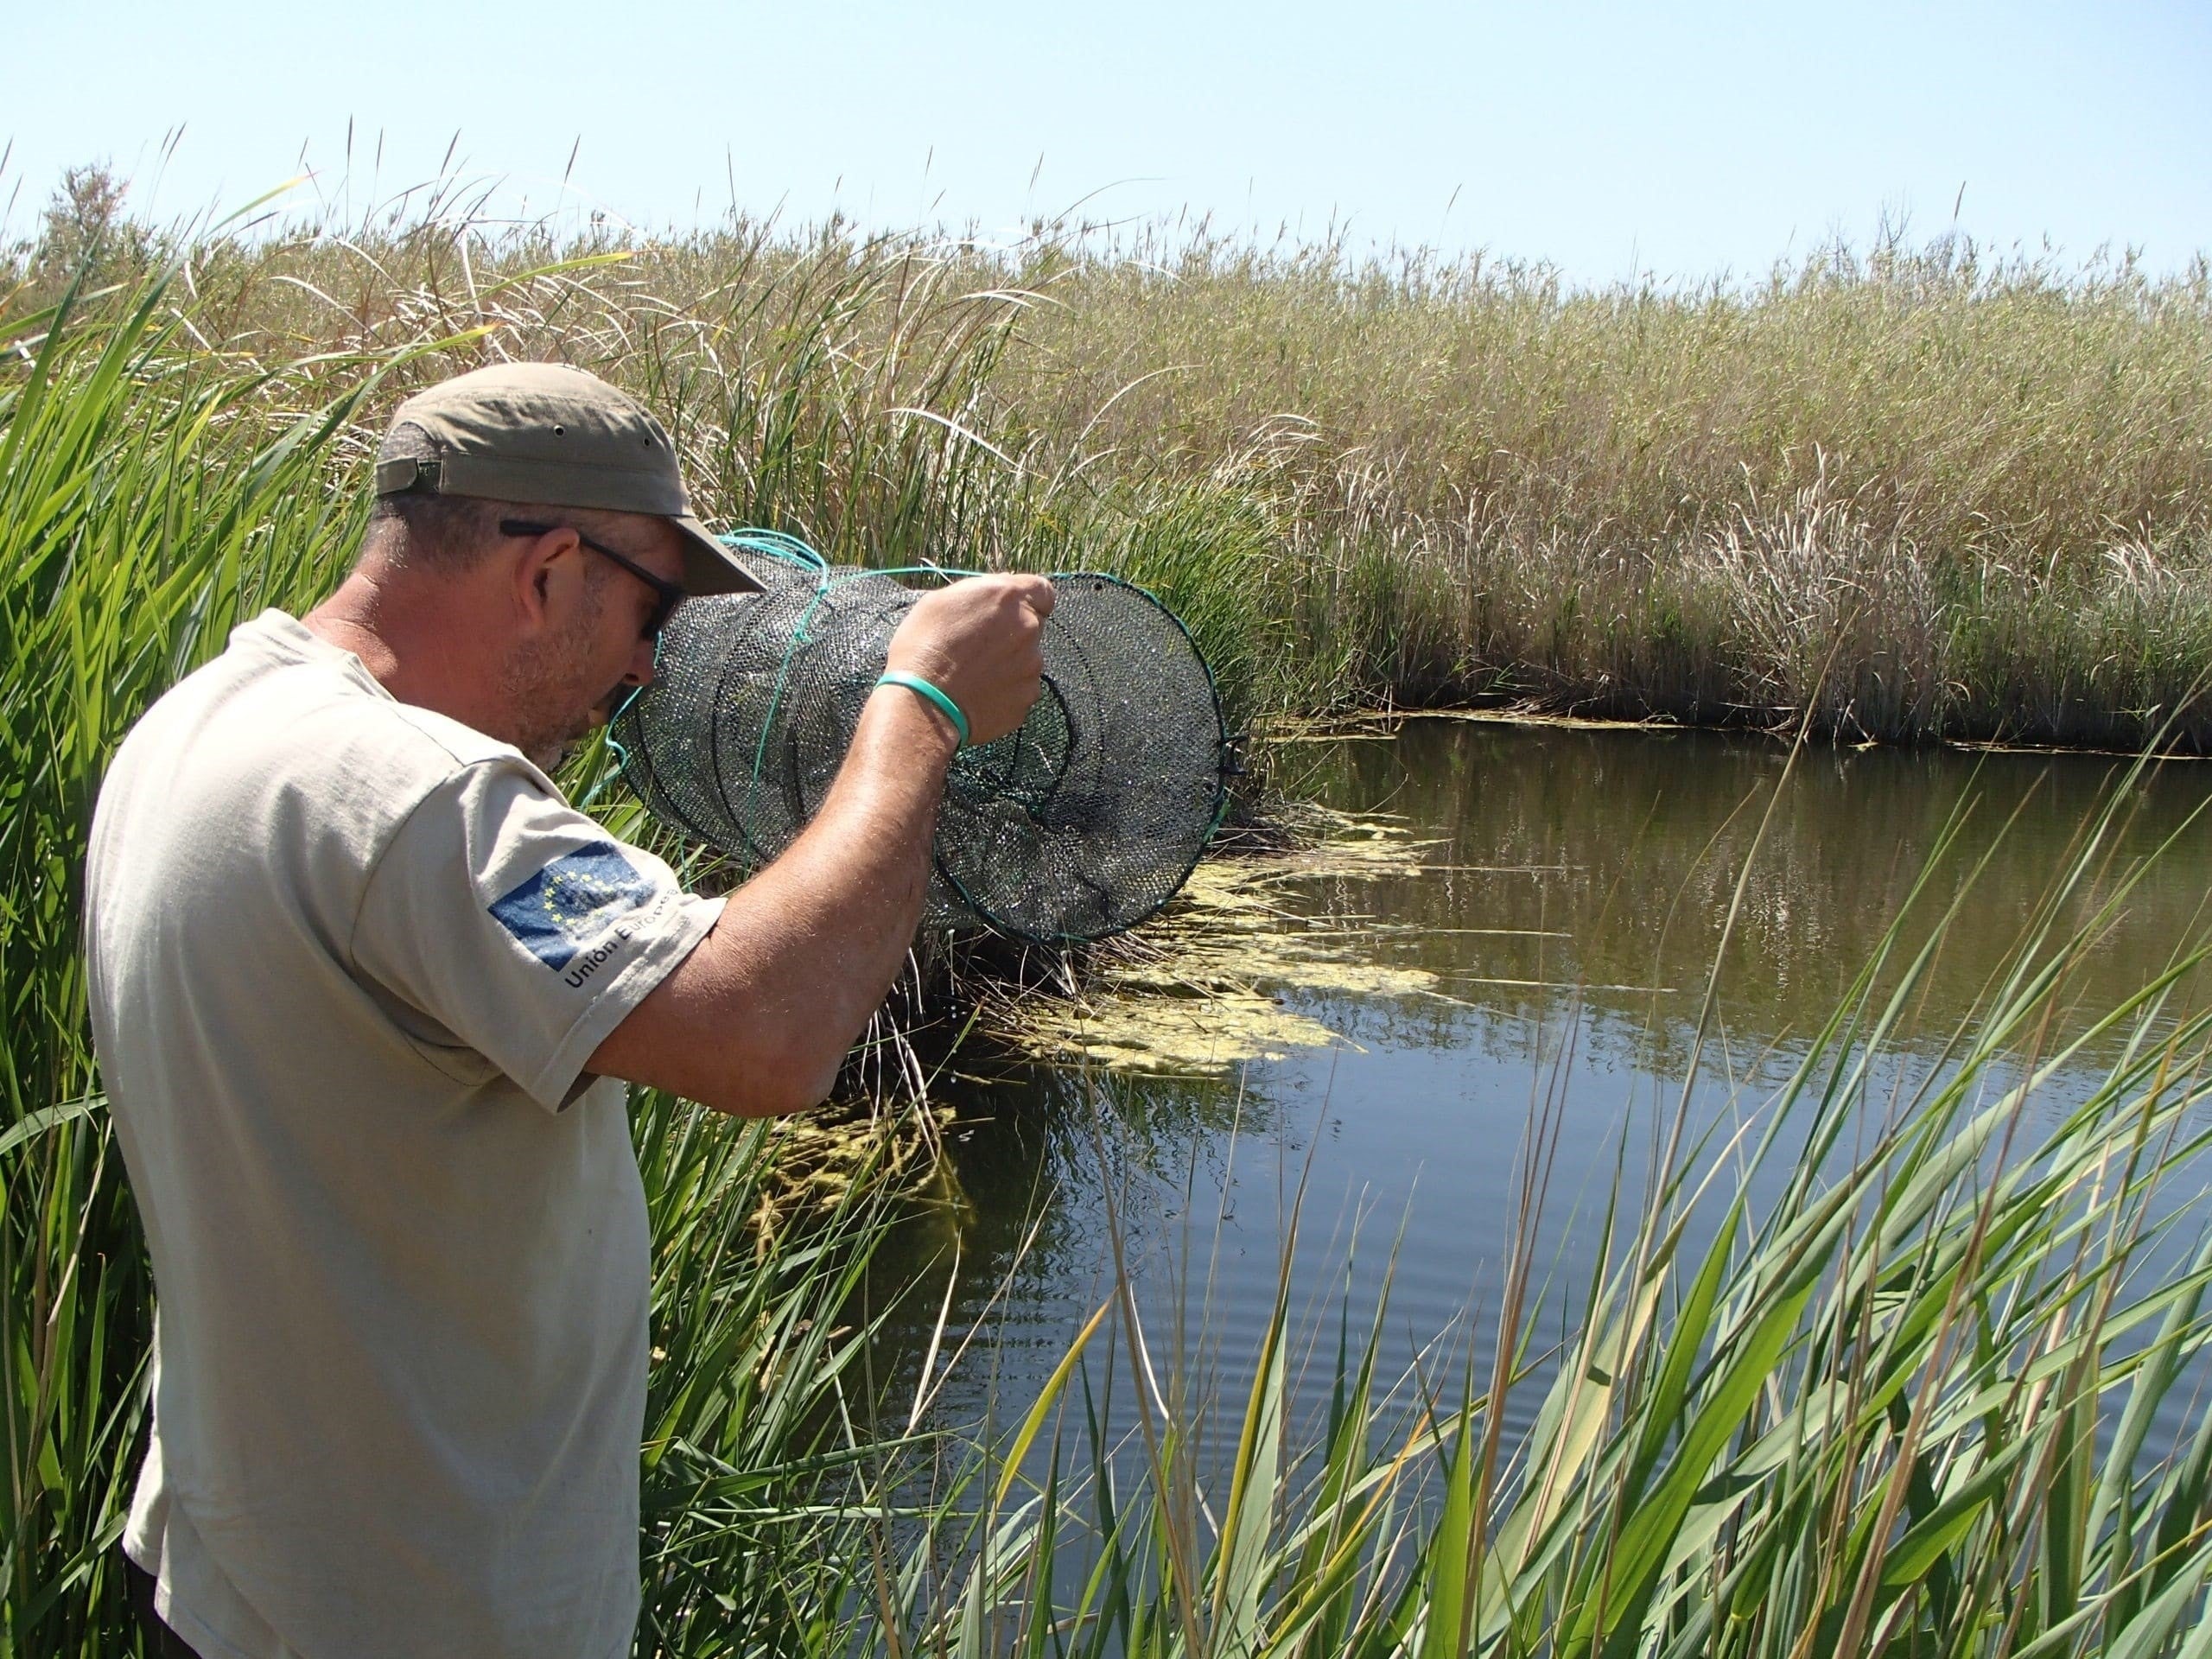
column 1080, row 823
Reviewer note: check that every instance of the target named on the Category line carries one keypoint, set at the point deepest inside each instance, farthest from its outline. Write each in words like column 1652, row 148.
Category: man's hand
column 978, row 642
column 756, row 1018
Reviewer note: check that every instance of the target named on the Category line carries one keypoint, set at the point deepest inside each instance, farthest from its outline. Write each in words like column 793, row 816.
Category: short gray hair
column 435, row 531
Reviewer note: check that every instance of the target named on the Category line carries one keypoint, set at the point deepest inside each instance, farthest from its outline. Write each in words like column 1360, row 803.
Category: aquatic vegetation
column 1927, row 492
column 1203, row 989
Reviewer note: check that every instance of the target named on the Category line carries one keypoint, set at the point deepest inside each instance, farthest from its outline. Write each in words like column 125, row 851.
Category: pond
column 1541, row 942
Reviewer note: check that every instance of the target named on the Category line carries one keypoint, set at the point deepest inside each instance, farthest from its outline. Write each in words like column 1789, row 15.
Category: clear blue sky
column 1684, row 138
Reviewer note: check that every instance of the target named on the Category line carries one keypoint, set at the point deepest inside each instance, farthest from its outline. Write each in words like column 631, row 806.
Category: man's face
column 595, row 649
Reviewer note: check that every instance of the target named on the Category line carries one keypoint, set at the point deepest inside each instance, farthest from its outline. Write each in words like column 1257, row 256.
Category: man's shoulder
column 447, row 745
column 280, row 734
column 378, row 762
column 370, row 764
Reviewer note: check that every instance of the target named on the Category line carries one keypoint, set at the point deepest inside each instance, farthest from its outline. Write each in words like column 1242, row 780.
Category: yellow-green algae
column 1203, row 989
column 1199, row 990
column 891, row 1142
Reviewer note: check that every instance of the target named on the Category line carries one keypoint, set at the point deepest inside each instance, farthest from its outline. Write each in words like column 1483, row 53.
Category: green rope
column 777, row 545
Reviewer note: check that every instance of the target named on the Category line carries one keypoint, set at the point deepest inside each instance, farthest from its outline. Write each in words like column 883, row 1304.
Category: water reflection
column 1572, row 909
column 1629, row 846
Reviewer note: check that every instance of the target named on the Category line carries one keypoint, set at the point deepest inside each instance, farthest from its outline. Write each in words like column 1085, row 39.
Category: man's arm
column 757, row 1018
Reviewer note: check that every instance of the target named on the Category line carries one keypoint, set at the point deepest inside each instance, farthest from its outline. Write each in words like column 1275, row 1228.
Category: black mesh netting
column 1082, row 822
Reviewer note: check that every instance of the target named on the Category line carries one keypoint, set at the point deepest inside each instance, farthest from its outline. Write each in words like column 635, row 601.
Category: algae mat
column 1211, row 985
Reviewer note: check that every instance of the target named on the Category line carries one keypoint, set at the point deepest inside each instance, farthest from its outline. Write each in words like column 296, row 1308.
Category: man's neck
column 348, row 619
column 411, row 634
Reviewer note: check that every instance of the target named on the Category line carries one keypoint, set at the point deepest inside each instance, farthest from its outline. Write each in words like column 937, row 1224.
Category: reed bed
column 1979, row 484
column 1974, row 488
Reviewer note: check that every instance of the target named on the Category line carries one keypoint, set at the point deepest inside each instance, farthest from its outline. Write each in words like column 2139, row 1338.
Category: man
column 367, row 992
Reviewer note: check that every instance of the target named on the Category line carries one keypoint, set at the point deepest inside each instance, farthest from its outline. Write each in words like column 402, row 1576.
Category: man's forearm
column 830, row 921
column 758, row 1018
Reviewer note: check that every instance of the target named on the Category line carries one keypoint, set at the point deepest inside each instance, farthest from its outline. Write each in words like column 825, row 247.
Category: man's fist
column 978, row 640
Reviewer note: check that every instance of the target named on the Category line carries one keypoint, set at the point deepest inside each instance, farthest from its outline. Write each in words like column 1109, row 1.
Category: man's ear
column 543, row 570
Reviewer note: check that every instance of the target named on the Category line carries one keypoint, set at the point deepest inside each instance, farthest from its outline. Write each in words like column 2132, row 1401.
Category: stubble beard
column 552, row 699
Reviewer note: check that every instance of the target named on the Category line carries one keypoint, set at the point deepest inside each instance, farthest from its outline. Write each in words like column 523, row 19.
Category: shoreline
column 1373, row 724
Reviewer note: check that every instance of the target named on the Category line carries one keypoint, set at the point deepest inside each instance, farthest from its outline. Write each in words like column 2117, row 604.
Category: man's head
column 537, row 516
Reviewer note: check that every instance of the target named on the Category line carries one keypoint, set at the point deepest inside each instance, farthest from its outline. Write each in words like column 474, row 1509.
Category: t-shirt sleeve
column 520, row 927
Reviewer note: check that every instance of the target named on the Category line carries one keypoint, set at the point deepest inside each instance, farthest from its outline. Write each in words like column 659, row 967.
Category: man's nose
column 641, row 663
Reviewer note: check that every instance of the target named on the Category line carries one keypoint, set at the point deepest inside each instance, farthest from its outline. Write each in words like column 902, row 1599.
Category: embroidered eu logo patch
column 563, row 910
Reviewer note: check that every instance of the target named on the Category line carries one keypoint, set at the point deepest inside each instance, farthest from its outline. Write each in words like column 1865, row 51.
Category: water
column 1570, row 913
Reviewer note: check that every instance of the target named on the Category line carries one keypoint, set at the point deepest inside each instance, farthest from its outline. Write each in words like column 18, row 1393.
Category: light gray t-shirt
column 348, row 960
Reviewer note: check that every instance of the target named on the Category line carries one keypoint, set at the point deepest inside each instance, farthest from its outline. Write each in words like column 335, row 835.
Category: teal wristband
column 950, row 708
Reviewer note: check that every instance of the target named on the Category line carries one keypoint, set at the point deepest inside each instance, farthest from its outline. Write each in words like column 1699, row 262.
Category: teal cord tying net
column 1081, row 822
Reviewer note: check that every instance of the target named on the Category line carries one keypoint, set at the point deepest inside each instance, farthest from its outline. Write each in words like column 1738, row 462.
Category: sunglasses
column 667, row 594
